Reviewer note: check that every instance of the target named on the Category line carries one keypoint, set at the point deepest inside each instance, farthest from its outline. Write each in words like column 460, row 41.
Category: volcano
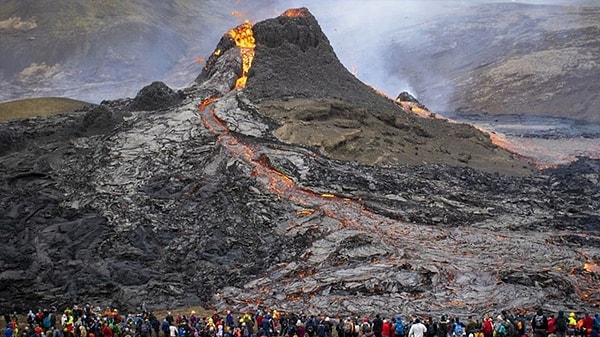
column 299, row 188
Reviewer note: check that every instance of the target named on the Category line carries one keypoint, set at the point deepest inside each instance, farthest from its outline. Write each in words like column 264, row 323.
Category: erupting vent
column 243, row 37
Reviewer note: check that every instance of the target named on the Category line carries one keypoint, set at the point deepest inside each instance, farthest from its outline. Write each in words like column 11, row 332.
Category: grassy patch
column 44, row 106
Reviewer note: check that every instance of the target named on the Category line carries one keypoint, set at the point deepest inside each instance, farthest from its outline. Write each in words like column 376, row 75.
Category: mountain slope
column 347, row 119
column 505, row 58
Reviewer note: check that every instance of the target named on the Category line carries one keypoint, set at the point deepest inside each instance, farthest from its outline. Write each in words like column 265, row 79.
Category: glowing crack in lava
column 243, row 37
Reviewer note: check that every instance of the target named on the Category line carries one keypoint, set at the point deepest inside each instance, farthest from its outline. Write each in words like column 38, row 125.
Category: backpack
column 596, row 323
column 500, row 330
column 348, row 327
column 539, row 321
column 458, row 329
column 399, row 328
column 366, row 327
column 519, row 325
column 310, row 328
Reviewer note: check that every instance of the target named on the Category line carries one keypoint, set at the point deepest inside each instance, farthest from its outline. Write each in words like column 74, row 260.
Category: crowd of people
column 93, row 322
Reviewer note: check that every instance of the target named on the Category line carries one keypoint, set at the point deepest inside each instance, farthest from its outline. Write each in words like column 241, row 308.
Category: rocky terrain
column 219, row 197
column 505, row 58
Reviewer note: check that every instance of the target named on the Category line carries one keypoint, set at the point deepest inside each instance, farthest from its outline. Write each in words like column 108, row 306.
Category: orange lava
column 414, row 108
column 591, row 267
column 206, row 102
column 295, row 12
column 243, row 37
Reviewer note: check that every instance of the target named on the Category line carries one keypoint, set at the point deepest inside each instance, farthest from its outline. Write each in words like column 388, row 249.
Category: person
column 165, row 327
column 520, row 323
column 267, row 324
column 399, row 327
column 173, row 331
column 311, row 326
column 487, row 327
column 571, row 325
column 193, row 320
column 377, row 326
column 107, row 331
column 417, row 329
column 366, row 327
column 551, row 326
column 539, row 324
column 169, row 318
column 300, row 329
column 228, row 319
column 560, row 324
column 588, row 324
column 386, row 329
column 8, row 332
column 458, row 328
column 500, row 327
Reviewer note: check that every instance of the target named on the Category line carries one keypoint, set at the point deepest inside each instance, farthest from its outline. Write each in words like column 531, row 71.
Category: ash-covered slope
column 185, row 205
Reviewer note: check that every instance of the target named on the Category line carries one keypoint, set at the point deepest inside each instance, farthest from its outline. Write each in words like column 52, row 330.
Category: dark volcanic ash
column 175, row 205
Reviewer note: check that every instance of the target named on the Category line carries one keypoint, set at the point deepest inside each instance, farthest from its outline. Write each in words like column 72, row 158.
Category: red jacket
column 107, row 331
column 488, row 327
column 386, row 329
column 588, row 323
column 551, row 325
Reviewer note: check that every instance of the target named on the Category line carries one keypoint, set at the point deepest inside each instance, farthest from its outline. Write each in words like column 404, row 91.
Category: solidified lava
column 236, row 203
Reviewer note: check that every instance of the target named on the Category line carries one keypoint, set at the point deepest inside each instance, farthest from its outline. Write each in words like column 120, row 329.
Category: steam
column 372, row 39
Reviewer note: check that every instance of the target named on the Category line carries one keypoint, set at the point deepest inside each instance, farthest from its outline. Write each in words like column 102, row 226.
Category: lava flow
column 349, row 246
column 243, row 37
column 273, row 180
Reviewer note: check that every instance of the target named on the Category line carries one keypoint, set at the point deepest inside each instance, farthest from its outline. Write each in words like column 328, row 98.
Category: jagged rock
column 405, row 96
column 155, row 96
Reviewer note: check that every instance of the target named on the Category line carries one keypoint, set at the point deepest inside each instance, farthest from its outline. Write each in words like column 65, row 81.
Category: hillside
column 41, row 106
column 505, row 58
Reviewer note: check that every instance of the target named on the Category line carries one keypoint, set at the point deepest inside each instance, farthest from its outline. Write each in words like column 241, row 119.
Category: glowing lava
column 591, row 267
column 292, row 12
column 243, row 37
